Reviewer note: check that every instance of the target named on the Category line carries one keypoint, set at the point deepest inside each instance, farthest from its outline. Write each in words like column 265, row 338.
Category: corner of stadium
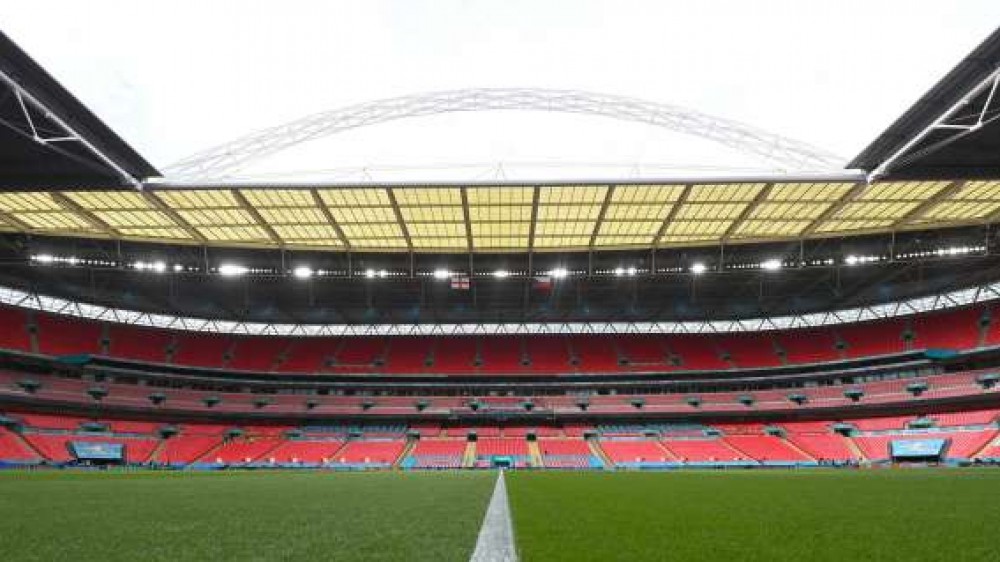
column 364, row 371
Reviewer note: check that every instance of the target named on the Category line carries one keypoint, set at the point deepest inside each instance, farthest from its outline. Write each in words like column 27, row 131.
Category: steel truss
column 954, row 299
column 42, row 125
column 964, row 117
column 224, row 161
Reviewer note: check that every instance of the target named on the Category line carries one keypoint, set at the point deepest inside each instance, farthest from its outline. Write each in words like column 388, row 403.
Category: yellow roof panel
column 766, row 228
column 368, row 196
column 432, row 214
column 234, row 233
column 622, row 240
column 500, row 195
column 352, row 231
column 286, row 215
column 218, row 217
column 729, row 192
column 54, row 221
column 446, row 229
column 499, row 213
column 564, row 228
column 379, row 243
column 572, row 195
column 638, row 212
column 876, row 210
column 493, row 242
column 427, row 196
column 789, row 211
column 697, row 228
column 902, row 190
column 278, row 197
column 647, row 228
column 808, row 191
column 363, row 215
column 688, row 239
column 980, row 190
column 109, row 200
column 442, row 243
column 170, row 233
column 198, row 199
column 562, row 241
column 710, row 211
column 500, row 229
column 17, row 202
column 307, row 232
column 849, row 225
column 135, row 218
column 960, row 210
column 646, row 193
column 568, row 213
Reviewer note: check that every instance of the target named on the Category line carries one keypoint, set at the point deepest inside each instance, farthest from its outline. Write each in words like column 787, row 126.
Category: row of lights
column 305, row 272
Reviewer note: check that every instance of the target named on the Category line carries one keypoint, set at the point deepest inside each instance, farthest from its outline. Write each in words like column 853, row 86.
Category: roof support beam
column 468, row 219
column 673, row 213
column 835, row 208
column 608, row 195
column 14, row 221
column 174, row 216
column 86, row 215
column 399, row 218
column 263, row 224
column 318, row 201
column 762, row 196
column 25, row 98
column 920, row 210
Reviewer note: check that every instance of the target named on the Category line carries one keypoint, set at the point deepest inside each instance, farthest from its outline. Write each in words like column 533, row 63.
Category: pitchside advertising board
column 97, row 451
column 913, row 449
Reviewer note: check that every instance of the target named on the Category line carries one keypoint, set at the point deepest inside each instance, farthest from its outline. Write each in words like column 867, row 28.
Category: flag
column 460, row 283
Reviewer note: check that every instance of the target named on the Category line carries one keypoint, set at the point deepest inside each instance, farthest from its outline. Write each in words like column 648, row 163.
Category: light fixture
column 44, row 258
column 370, row 273
column 501, row 274
column 232, row 270
column 302, row 272
column 851, row 260
column 619, row 271
column 442, row 274
column 158, row 266
column 178, row 267
column 631, row 271
column 559, row 273
column 698, row 268
column 771, row 265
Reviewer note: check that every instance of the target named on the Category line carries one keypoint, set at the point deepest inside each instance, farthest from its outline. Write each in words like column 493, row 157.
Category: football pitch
column 733, row 516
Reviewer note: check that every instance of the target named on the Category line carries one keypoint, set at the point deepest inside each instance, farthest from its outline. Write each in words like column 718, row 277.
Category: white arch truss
column 225, row 160
column 955, row 299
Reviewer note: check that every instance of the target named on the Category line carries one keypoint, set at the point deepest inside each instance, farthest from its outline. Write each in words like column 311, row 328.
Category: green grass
column 241, row 516
column 926, row 515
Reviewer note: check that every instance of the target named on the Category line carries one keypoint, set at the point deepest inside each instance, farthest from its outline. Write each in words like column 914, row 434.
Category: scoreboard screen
column 95, row 451
column 914, row 448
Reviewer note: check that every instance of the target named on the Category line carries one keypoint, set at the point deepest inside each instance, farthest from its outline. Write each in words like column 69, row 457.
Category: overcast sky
column 176, row 77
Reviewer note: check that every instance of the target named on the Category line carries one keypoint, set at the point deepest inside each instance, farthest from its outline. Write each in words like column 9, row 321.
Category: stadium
column 200, row 365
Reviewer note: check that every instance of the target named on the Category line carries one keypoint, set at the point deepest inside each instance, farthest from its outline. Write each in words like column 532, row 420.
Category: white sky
column 176, row 77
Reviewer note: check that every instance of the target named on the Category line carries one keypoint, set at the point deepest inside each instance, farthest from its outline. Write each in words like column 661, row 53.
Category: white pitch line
column 496, row 536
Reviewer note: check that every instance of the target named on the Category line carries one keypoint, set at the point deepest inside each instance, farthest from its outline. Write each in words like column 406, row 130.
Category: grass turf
column 773, row 516
column 241, row 516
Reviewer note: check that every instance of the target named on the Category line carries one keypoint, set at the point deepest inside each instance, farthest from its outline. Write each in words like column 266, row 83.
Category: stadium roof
column 951, row 131
column 49, row 139
column 503, row 218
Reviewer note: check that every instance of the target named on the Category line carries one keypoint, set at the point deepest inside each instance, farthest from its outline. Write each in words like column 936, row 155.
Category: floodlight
column 559, row 273
column 771, row 265
column 232, row 270
column 698, row 268
column 501, row 274
column 441, row 274
column 302, row 272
